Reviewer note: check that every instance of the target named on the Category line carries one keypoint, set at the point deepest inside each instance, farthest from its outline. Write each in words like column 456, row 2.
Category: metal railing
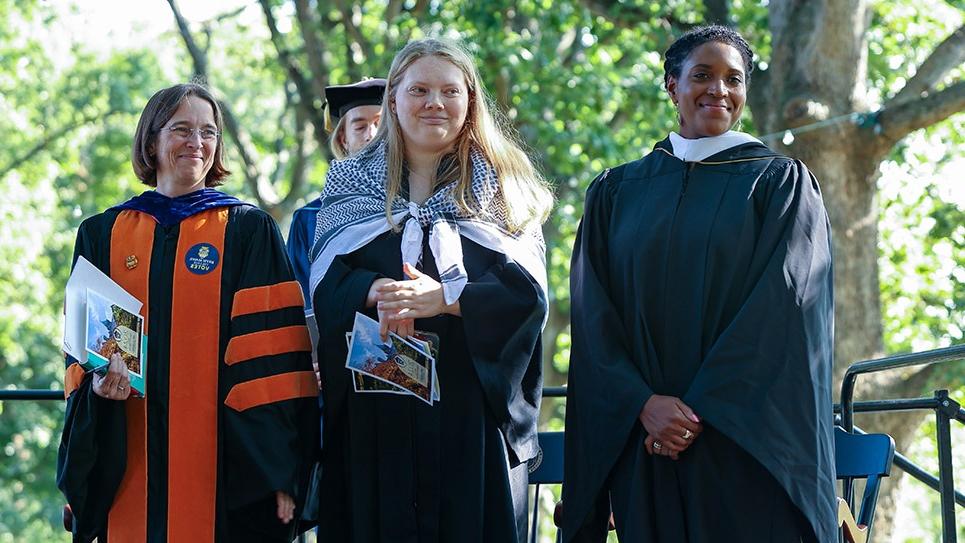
column 945, row 408
column 8, row 394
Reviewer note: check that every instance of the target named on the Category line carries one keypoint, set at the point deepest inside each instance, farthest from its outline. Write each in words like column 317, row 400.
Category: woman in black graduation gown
column 699, row 400
column 220, row 446
column 435, row 227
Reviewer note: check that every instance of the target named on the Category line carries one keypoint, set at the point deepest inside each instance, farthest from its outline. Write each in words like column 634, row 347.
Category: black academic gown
column 711, row 282
column 230, row 414
column 395, row 469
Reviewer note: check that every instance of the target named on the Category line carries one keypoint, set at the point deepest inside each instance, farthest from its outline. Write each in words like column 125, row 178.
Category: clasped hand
column 116, row 383
column 286, row 506
column 671, row 426
column 399, row 303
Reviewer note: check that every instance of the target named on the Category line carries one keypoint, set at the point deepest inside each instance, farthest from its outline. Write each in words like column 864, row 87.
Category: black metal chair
column 861, row 456
column 547, row 469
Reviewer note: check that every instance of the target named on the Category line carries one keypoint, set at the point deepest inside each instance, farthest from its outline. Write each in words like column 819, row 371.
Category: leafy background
column 579, row 80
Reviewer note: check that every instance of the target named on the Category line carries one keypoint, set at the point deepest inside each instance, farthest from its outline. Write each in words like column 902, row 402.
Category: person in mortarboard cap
column 354, row 112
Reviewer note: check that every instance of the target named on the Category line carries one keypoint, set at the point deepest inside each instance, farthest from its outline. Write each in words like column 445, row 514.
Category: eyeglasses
column 183, row 132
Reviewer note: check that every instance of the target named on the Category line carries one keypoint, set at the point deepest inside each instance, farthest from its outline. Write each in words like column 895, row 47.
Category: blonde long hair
column 525, row 191
column 336, row 142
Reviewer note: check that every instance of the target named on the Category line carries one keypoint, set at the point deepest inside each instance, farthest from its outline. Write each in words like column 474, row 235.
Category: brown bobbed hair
column 158, row 111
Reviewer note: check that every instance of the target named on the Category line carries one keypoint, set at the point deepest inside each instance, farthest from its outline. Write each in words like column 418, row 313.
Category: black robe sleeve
column 92, row 455
column 606, row 389
column 502, row 314
column 271, row 446
column 340, row 293
column 766, row 381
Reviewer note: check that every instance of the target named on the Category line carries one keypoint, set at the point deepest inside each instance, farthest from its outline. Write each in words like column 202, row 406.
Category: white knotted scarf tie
column 352, row 214
column 446, row 247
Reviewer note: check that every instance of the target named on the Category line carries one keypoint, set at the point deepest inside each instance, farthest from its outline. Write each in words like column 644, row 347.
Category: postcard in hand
column 429, row 342
column 397, row 361
column 112, row 329
column 363, row 383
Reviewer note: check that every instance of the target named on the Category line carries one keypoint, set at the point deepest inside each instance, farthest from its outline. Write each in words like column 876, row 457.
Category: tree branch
column 628, row 17
column 197, row 56
column 280, row 144
column 392, row 10
column 246, row 150
column 898, row 121
column 948, row 55
column 501, row 89
column 314, row 50
column 717, row 12
column 758, row 97
column 352, row 31
column 420, row 8
column 299, row 166
column 50, row 138
column 416, row 12
column 226, row 16
column 573, row 52
column 305, row 94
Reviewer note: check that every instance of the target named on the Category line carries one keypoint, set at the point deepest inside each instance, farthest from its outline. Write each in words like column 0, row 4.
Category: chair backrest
column 549, row 467
column 867, row 456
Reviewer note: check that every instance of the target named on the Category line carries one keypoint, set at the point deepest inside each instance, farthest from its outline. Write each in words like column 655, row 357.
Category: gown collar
column 693, row 150
column 169, row 211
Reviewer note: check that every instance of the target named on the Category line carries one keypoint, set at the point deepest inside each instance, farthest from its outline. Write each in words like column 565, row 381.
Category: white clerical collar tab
column 694, row 150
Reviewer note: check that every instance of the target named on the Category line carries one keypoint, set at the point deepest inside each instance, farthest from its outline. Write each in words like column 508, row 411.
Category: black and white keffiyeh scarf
column 353, row 213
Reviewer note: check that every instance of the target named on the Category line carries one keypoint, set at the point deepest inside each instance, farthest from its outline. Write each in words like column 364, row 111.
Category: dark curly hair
column 678, row 52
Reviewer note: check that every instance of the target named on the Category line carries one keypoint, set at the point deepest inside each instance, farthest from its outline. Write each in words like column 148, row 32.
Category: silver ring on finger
column 657, row 446
column 688, row 434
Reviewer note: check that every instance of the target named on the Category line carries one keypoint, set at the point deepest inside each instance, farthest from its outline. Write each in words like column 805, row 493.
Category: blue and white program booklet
column 101, row 318
column 112, row 329
column 407, row 366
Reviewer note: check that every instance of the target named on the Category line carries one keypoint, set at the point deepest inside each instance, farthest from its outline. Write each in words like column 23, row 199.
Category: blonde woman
column 434, row 226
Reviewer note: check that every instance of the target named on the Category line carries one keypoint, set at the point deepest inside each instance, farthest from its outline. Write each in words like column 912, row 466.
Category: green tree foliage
column 65, row 130
column 580, row 81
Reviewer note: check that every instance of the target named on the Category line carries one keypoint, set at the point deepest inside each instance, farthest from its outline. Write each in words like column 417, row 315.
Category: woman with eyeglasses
column 220, row 445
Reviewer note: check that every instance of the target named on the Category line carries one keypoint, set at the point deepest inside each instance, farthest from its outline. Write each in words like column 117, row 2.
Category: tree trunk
column 816, row 79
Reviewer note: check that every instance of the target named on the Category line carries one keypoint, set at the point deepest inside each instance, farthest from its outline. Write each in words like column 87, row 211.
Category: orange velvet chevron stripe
column 72, row 378
column 267, row 298
column 267, row 343
column 274, row 388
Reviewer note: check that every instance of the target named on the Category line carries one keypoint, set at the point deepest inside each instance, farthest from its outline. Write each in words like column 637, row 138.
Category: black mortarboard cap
column 340, row 99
